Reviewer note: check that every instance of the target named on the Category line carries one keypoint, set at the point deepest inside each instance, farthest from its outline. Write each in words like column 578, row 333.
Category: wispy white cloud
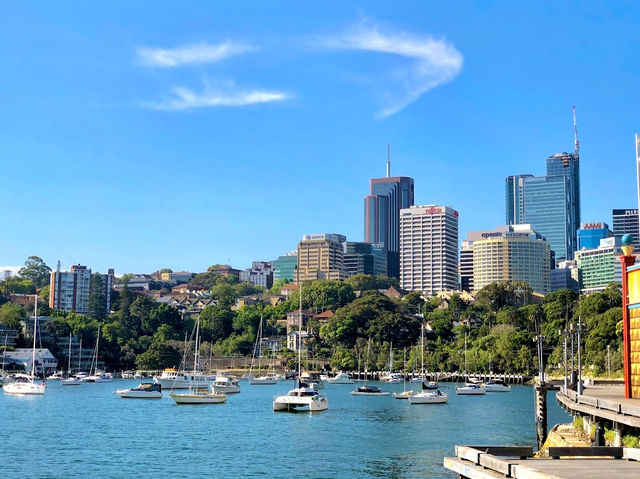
column 435, row 61
column 190, row 54
column 220, row 96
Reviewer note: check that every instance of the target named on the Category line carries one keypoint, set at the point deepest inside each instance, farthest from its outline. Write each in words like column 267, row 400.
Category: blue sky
column 181, row 134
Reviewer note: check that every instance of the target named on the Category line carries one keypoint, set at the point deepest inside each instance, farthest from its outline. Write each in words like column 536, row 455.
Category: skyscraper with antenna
column 387, row 196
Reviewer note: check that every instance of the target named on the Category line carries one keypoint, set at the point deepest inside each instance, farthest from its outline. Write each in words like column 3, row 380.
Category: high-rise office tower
column 387, row 196
column 285, row 266
column 466, row 266
column 514, row 199
column 590, row 234
column 510, row 253
column 626, row 222
column 365, row 258
column 547, row 209
column 321, row 256
column 551, row 203
column 429, row 248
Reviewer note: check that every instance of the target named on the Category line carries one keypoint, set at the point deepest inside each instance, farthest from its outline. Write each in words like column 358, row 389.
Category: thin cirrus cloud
column 197, row 53
column 229, row 96
column 433, row 62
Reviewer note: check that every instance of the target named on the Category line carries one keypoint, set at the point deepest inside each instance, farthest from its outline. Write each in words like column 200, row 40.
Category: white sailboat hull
column 225, row 389
column 24, row 388
column 70, row 382
column 428, row 398
column 498, row 388
column 131, row 394
column 466, row 391
column 198, row 398
column 263, row 381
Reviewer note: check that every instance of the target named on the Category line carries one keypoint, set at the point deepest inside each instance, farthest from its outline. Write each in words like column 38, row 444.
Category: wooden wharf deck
column 490, row 462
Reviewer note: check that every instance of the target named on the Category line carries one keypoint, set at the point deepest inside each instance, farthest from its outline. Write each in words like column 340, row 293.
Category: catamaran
column 302, row 397
column 25, row 384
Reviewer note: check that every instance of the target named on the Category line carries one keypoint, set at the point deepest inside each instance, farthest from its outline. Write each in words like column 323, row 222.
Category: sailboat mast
column 259, row 345
column 195, row 353
column 4, row 351
column 35, row 332
column 69, row 367
column 80, row 356
column 391, row 357
column 300, row 335
column 422, row 344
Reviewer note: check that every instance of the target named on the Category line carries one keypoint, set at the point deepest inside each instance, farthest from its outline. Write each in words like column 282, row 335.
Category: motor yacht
column 429, row 397
column 304, row 397
column 128, row 375
column 225, row 384
column 142, row 391
column 263, row 380
column 173, row 379
column 71, row 381
column 367, row 390
column 471, row 389
column 340, row 378
column 55, row 376
column 313, row 379
column 100, row 378
column 497, row 386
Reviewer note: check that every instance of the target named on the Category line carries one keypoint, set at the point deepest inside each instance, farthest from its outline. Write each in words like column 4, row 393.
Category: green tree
column 217, row 321
column 97, row 297
column 12, row 315
column 16, row 285
column 362, row 282
column 35, row 270
column 158, row 356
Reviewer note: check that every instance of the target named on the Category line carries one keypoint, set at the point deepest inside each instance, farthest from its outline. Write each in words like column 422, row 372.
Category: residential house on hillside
column 287, row 289
column 46, row 363
column 393, row 292
column 8, row 335
column 294, row 341
column 293, row 318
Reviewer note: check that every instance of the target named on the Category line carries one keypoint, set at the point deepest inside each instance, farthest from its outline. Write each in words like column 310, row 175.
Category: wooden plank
column 630, row 410
column 468, row 453
column 609, row 405
column 585, row 451
column 506, row 451
column 588, row 400
column 496, row 464
column 472, row 471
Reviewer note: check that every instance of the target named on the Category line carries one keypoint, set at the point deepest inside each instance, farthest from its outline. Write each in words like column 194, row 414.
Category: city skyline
column 103, row 174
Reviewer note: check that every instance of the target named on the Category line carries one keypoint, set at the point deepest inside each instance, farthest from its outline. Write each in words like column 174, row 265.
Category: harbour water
column 87, row 431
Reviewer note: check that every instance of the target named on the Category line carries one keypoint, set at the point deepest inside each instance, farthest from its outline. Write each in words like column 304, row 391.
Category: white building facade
column 429, row 248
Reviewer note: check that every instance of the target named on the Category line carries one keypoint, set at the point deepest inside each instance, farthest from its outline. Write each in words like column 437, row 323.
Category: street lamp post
column 579, row 358
column 566, row 365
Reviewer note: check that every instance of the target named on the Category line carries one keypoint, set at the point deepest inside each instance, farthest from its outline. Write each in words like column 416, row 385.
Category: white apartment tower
column 429, row 248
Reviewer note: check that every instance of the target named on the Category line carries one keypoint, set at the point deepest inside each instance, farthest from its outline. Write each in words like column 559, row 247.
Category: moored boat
column 404, row 394
column 173, row 379
column 368, row 390
column 226, row 385
column 142, row 391
column 198, row 396
column 471, row 389
column 304, row 397
column 497, row 386
column 429, row 397
column 340, row 378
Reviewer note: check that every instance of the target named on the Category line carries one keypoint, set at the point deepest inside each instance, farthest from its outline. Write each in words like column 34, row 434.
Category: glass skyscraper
column 590, row 234
column 547, row 207
column 626, row 222
column 568, row 164
column 387, row 196
column 514, row 199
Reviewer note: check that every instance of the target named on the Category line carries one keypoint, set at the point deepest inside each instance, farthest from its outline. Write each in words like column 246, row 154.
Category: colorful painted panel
column 634, row 336
column 634, row 286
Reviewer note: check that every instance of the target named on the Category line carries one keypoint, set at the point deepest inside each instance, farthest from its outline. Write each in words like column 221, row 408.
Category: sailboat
column 392, row 377
column 421, row 377
column 3, row 376
column 366, row 389
column 70, row 380
column 25, row 384
column 304, row 396
column 95, row 377
column 405, row 392
column 196, row 395
column 266, row 378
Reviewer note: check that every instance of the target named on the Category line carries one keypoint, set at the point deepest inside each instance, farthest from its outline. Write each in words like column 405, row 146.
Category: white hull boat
column 195, row 397
column 403, row 394
column 142, row 391
column 340, row 378
column 72, row 381
column 172, row 379
column 471, row 390
column 301, row 399
column 55, row 376
column 263, row 380
column 225, row 385
column 497, row 387
column 102, row 378
column 429, row 397
column 369, row 391
column 23, row 386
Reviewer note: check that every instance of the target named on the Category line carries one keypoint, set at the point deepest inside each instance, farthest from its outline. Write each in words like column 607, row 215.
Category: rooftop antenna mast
column 575, row 133
column 58, row 267
column 388, row 160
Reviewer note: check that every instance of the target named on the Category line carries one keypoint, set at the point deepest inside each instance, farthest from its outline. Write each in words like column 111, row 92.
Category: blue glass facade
column 284, row 267
column 514, row 199
column 589, row 237
column 547, row 207
column 382, row 207
column 568, row 165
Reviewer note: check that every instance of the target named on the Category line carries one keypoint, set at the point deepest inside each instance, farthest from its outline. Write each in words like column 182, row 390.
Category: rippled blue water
column 88, row 431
